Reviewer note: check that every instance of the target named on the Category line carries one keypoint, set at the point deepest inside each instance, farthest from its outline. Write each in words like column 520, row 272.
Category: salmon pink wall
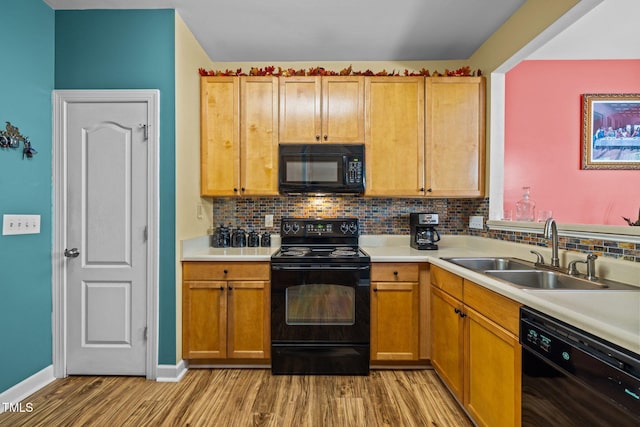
column 543, row 147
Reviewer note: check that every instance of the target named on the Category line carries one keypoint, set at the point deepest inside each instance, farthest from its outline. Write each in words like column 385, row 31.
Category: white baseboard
column 171, row 373
column 26, row 387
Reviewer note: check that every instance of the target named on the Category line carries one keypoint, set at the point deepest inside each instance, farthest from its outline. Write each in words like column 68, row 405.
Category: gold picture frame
column 610, row 131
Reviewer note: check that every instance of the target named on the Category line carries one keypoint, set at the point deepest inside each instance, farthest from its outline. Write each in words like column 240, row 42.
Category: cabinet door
column 394, row 320
column 204, row 320
column 219, row 136
column 447, row 340
column 455, row 136
column 343, row 109
column 394, row 135
column 249, row 320
column 300, row 103
column 258, row 136
column 493, row 363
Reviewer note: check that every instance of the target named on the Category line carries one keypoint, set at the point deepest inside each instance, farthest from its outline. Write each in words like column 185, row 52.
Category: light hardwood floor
column 245, row 397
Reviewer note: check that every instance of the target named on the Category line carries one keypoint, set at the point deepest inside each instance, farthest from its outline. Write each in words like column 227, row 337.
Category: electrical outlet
column 476, row 222
column 268, row 220
column 20, row 224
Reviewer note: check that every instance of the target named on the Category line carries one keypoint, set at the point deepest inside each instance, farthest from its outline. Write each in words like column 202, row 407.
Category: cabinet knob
column 230, row 288
column 375, row 289
column 429, row 190
column 317, row 137
column 222, row 288
column 326, row 137
column 421, row 189
column 235, row 190
column 242, row 189
column 395, row 273
column 225, row 271
column 463, row 315
column 456, row 310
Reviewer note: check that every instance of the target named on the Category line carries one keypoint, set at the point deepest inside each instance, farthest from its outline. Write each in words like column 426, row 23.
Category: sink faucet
column 551, row 232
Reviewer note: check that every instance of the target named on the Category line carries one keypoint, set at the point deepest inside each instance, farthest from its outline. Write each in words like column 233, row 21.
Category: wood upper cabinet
column 475, row 348
column 219, row 136
column 394, row 124
column 258, row 136
column 239, row 136
column 395, row 312
column 226, row 310
column 455, row 136
column 322, row 109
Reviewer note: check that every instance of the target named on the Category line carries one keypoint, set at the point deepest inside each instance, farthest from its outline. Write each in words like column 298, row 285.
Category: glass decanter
column 525, row 207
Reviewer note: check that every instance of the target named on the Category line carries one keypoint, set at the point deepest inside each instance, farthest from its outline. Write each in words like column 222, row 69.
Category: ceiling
column 331, row 30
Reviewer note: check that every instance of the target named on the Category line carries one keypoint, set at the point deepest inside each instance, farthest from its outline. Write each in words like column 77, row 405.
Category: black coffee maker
column 423, row 231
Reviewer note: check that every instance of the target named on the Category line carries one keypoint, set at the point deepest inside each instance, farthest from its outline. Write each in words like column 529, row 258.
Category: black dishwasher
column 572, row 378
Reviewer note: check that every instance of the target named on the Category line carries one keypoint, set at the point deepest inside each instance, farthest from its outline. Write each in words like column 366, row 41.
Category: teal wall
column 26, row 82
column 131, row 49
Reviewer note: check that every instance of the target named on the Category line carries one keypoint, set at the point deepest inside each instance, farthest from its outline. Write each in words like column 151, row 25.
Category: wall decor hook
column 11, row 138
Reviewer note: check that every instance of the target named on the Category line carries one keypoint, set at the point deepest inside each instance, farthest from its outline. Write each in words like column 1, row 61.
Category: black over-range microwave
column 321, row 169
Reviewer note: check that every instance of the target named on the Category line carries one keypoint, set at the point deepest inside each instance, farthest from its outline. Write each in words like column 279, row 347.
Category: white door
column 106, row 237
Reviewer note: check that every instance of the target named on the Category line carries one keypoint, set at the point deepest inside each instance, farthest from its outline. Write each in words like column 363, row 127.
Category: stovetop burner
column 319, row 252
column 294, row 251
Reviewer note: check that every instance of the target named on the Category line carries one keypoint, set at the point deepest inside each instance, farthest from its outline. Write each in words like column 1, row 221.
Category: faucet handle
column 573, row 270
column 591, row 267
column 540, row 259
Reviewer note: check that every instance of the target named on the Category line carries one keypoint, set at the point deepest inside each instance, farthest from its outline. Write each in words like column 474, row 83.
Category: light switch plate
column 476, row 222
column 268, row 220
column 20, row 224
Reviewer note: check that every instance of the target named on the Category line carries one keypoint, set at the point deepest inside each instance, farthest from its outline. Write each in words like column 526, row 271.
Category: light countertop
column 613, row 315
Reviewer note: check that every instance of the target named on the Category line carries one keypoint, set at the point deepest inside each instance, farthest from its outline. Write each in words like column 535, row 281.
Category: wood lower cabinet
column 492, row 363
column 395, row 311
column 475, row 348
column 447, row 340
column 226, row 310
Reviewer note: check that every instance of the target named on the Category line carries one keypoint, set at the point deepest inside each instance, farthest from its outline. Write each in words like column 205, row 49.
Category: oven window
column 315, row 171
column 320, row 305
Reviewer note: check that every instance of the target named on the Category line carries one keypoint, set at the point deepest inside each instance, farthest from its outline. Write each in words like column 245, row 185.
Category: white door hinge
column 145, row 234
column 145, row 128
column 145, row 333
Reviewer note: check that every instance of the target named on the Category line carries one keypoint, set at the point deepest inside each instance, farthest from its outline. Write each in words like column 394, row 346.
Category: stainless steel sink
column 537, row 279
column 491, row 263
column 527, row 275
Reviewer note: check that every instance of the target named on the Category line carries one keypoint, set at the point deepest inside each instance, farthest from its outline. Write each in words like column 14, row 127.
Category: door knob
column 71, row 253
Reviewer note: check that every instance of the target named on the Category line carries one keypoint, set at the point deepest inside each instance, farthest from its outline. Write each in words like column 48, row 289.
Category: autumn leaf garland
column 321, row 71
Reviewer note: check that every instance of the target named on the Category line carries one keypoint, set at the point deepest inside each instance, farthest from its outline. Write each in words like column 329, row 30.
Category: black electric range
column 320, row 302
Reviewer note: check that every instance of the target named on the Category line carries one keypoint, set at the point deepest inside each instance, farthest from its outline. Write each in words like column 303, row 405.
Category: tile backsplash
column 376, row 215
column 391, row 216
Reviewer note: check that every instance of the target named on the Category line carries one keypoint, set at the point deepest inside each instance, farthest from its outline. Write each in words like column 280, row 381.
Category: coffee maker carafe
column 423, row 231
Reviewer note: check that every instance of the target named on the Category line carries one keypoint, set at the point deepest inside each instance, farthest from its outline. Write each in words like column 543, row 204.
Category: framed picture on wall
column 610, row 131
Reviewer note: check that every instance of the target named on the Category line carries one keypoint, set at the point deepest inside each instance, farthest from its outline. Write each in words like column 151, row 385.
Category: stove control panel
column 319, row 227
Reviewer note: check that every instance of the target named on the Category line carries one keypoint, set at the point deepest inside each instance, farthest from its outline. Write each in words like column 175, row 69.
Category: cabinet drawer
column 447, row 281
column 394, row 272
column 502, row 310
column 197, row 270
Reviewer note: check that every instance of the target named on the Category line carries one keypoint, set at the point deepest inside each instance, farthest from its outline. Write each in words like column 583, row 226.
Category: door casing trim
column 61, row 99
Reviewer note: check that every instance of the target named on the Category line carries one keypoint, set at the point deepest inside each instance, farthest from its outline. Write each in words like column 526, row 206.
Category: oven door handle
column 319, row 267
